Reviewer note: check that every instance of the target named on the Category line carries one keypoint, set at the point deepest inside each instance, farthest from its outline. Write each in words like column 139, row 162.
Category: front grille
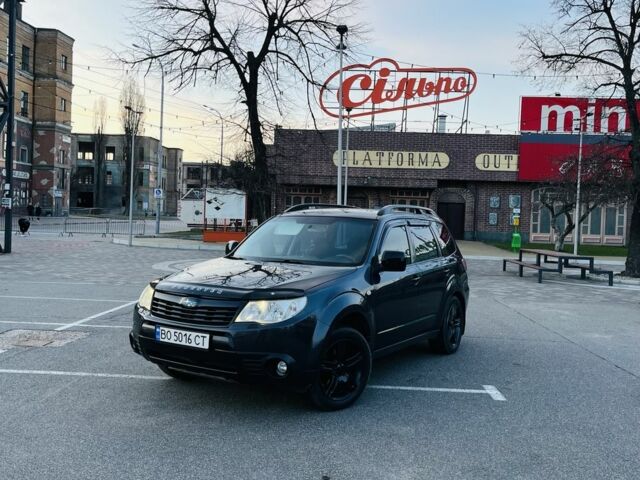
column 205, row 312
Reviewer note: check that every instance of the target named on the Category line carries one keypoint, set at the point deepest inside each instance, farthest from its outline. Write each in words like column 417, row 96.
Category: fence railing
column 70, row 226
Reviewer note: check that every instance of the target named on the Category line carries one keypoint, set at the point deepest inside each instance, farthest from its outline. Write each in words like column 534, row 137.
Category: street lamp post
column 7, row 188
column 346, row 163
column 160, row 148
column 579, row 181
column 342, row 30
column 160, row 151
column 131, row 176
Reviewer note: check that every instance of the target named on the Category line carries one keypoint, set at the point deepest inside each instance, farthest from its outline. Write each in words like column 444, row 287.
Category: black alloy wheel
column 344, row 370
column 450, row 335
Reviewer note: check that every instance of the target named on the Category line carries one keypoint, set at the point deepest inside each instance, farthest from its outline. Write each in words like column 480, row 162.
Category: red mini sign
column 383, row 86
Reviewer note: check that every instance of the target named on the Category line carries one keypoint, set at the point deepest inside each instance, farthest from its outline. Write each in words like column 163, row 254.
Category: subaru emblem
column 188, row 302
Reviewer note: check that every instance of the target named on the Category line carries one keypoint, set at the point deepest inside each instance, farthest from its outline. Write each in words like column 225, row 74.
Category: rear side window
column 425, row 244
column 396, row 240
column 444, row 238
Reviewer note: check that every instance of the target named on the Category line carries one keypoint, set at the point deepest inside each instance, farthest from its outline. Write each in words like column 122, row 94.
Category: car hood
column 223, row 274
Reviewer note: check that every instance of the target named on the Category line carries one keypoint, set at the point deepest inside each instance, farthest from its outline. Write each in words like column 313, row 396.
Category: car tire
column 344, row 369
column 450, row 336
column 177, row 374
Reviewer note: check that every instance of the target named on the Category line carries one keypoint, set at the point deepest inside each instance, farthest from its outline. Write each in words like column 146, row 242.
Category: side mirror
column 230, row 246
column 393, row 261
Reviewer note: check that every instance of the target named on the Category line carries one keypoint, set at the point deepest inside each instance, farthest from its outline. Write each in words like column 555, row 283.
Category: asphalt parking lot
column 545, row 385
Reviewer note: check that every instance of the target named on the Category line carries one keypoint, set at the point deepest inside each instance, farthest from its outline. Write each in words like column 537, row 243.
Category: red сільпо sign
column 383, row 86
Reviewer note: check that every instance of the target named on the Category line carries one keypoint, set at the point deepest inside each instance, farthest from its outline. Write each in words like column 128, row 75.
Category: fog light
column 281, row 368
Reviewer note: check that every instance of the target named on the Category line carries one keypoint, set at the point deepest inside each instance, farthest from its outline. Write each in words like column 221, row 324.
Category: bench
column 586, row 268
column 523, row 265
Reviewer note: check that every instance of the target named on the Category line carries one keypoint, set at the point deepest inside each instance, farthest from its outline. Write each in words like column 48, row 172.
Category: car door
column 428, row 277
column 392, row 310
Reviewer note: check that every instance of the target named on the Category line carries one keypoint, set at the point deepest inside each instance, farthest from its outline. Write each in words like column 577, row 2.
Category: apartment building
column 44, row 84
column 99, row 183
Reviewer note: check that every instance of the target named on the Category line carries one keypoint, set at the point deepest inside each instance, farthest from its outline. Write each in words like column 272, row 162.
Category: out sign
column 497, row 162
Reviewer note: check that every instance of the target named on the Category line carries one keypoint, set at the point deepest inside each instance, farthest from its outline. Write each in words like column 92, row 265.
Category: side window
column 424, row 242
column 396, row 240
column 444, row 238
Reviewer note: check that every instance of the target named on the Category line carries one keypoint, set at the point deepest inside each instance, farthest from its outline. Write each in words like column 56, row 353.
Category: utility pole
column 7, row 189
column 131, row 177
column 346, row 163
column 342, row 30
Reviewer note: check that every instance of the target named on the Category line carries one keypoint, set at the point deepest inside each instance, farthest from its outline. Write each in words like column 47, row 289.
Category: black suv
column 308, row 299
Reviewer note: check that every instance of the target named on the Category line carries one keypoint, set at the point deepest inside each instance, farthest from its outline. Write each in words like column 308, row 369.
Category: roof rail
column 312, row 206
column 406, row 208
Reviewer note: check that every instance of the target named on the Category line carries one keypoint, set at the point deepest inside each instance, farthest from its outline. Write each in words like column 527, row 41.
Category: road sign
column 157, row 193
column 516, row 211
column 6, row 202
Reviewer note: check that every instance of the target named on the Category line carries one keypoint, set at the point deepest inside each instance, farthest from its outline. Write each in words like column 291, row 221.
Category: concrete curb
column 171, row 244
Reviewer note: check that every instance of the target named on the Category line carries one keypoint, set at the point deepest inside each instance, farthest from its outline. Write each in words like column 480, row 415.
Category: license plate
column 182, row 337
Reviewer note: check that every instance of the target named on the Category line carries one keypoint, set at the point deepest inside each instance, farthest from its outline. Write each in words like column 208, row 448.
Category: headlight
column 271, row 311
column 145, row 298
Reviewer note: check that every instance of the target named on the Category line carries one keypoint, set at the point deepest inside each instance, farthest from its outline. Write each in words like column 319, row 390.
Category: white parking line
column 56, row 324
column 2, row 351
column 84, row 320
column 67, row 299
column 490, row 390
column 81, row 374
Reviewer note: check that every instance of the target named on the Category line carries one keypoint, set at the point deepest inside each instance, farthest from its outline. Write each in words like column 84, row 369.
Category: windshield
column 309, row 240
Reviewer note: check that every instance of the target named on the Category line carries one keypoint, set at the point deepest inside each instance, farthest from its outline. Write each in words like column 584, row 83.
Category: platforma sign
column 383, row 86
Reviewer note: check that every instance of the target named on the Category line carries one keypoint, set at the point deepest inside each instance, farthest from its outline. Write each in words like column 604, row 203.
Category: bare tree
column 132, row 124
column 606, row 179
column 99, row 125
column 258, row 47
column 598, row 38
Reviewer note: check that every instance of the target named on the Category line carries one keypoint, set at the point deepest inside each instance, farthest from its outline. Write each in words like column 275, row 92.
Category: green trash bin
column 516, row 241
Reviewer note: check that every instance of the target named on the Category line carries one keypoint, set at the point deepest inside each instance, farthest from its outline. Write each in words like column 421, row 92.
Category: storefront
column 470, row 180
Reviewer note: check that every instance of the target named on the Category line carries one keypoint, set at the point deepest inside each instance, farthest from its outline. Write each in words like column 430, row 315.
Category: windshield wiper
column 288, row 260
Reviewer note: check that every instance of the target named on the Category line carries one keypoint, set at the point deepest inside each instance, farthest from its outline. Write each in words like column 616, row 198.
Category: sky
column 481, row 35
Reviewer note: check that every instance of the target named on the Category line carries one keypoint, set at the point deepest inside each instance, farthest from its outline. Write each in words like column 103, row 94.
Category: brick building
column 471, row 180
column 98, row 184
column 44, row 84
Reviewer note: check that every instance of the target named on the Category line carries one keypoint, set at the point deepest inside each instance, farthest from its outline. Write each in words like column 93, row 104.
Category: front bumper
column 246, row 353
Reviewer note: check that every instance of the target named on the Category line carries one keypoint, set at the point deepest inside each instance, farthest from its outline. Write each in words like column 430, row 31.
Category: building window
column 62, row 156
column 24, row 104
column 141, row 179
column 110, row 153
column 109, row 179
column 298, row 195
column 193, row 173
column 608, row 221
column 540, row 216
column 418, row 198
column 164, row 183
column 141, row 154
column 63, row 104
column 26, row 59
column 63, row 62
column 85, row 176
column 85, row 150
column 164, row 161
column 24, row 155
column 61, row 179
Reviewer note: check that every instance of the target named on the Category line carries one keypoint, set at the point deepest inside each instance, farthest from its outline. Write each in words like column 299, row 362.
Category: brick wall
column 304, row 157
